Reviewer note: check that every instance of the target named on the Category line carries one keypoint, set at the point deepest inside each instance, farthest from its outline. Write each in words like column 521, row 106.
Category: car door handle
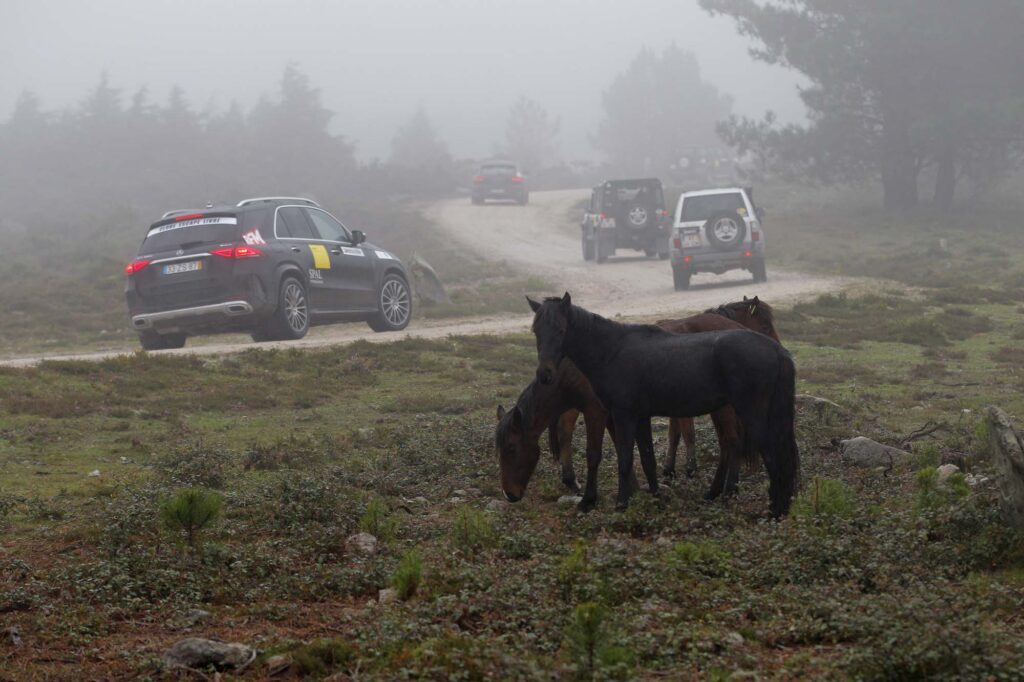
column 336, row 252
column 296, row 249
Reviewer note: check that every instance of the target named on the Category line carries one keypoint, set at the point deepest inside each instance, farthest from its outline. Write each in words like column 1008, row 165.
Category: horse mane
column 525, row 404
column 723, row 310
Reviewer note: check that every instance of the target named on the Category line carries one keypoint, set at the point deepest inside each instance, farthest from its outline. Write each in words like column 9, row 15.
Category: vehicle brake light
column 755, row 236
column 518, row 178
column 135, row 266
column 677, row 243
column 601, row 217
column 747, row 254
column 237, row 252
column 478, row 178
column 191, row 216
column 687, row 259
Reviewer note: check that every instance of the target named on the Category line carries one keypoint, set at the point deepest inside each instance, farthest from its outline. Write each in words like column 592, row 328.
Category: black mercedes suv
column 269, row 266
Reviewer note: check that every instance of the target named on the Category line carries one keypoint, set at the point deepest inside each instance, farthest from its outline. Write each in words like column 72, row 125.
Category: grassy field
column 877, row 575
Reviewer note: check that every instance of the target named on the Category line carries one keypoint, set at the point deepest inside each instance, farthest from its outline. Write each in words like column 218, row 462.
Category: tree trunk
column 899, row 164
column 945, row 181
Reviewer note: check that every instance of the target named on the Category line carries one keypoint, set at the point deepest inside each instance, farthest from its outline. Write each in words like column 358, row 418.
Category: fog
column 375, row 61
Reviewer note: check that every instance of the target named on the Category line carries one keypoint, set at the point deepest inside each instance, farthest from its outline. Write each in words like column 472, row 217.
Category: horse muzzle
column 545, row 375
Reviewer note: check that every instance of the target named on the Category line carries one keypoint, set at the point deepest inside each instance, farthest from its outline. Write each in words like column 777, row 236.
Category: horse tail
column 784, row 463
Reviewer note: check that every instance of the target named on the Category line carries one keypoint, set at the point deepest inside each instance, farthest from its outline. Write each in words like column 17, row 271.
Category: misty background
column 376, row 61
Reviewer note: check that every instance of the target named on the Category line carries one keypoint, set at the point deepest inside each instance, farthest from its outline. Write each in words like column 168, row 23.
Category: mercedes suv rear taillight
column 237, row 252
column 135, row 266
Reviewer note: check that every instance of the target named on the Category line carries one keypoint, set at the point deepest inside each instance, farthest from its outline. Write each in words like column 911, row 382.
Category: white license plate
column 189, row 266
column 691, row 241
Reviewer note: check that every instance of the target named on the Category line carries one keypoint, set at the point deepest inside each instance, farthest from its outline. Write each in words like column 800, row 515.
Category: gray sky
column 375, row 61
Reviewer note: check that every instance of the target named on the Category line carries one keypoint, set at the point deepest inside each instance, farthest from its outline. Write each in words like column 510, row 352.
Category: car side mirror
column 358, row 237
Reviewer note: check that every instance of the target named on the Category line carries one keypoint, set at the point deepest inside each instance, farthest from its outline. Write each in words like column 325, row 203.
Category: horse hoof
column 690, row 473
column 668, row 474
column 573, row 486
column 586, row 505
column 710, row 496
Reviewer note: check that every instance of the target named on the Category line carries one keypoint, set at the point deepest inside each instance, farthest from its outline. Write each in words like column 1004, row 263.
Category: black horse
column 641, row 371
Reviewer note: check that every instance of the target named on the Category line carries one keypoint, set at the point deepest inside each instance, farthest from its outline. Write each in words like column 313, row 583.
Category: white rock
column 861, row 451
column 94, row 473
column 196, row 652
column 361, row 543
column 387, row 595
column 498, row 506
column 568, row 500
column 947, row 470
column 734, row 639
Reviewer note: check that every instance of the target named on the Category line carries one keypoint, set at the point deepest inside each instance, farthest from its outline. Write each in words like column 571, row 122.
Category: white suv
column 717, row 230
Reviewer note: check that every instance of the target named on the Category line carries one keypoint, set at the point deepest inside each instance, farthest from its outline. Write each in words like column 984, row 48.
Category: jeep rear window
column 703, row 207
column 189, row 231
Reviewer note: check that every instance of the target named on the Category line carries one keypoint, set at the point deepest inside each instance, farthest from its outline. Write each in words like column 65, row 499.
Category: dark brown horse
column 570, row 394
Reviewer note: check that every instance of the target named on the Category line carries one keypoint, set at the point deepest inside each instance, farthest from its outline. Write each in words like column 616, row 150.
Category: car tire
column 759, row 271
column 650, row 253
column 663, row 255
column 681, row 277
column 394, row 300
column 524, row 199
column 290, row 319
column 588, row 248
column 726, row 230
column 155, row 341
column 477, row 201
column 604, row 250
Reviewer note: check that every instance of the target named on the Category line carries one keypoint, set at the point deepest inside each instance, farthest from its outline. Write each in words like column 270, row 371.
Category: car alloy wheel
column 295, row 308
column 394, row 302
column 638, row 216
column 726, row 230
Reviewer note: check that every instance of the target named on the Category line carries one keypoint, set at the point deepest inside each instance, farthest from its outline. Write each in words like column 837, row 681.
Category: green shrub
column 408, row 575
column 932, row 495
column 572, row 568
column 378, row 520
column 981, row 443
column 588, row 637
column 824, row 498
column 706, row 558
column 323, row 656
column 473, row 530
column 925, row 456
column 195, row 464
column 190, row 511
column 8, row 502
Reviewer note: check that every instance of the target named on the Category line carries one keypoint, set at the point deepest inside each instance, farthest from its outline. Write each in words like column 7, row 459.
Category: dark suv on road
column 500, row 180
column 268, row 266
column 625, row 214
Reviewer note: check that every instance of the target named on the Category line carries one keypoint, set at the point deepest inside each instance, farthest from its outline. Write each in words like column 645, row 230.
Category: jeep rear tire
column 726, row 230
column 588, row 248
column 638, row 216
column 604, row 249
column 759, row 271
column 681, row 277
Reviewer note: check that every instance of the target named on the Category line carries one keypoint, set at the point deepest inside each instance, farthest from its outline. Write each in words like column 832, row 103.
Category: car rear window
column 703, row 207
column 498, row 170
column 200, row 229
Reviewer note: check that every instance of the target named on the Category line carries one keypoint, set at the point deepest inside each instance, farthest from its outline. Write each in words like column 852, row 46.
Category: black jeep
column 626, row 214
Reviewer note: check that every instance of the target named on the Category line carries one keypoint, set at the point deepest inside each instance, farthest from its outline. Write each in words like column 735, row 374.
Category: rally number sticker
column 384, row 255
column 348, row 251
column 321, row 261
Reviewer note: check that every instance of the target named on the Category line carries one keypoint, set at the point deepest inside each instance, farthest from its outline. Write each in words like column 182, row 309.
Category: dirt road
column 541, row 238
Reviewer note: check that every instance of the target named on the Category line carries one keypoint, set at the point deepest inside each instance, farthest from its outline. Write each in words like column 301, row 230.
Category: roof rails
column 246, row 202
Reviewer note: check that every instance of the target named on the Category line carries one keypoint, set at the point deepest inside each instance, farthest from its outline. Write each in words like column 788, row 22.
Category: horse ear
column 501, row 412
column 533, row 304
column 756, row 300
column 566, row 300
column 745, row 299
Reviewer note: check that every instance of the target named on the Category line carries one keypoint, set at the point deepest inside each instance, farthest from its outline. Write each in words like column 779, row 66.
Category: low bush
column 408, row 575
column 190, row 512
column 473, row 531
column 824, row 498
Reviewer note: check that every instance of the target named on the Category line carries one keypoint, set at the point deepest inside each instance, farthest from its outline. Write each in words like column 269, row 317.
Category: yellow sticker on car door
column 321, row 261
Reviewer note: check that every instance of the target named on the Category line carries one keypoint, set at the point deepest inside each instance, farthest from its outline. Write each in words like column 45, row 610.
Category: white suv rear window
column 701, row 208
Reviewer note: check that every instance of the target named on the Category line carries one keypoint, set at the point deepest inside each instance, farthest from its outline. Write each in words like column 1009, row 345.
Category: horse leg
column 690, row 439
column 729, row 448
column 625, row 437
column 566, row 428
column 669, row 470
column 645, row 443
column 596, row 422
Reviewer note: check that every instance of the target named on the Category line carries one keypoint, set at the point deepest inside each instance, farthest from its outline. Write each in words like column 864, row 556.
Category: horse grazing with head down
column 640, row 371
